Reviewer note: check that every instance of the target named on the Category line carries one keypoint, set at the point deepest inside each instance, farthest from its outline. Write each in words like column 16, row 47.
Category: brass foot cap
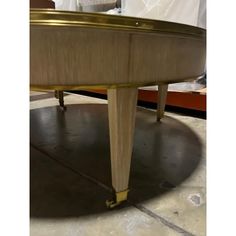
column 119, row 198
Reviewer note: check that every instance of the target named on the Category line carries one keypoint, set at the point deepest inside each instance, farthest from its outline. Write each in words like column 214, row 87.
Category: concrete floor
column 70, row 175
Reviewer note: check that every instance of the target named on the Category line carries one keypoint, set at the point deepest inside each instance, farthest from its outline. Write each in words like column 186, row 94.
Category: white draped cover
column 191, row 12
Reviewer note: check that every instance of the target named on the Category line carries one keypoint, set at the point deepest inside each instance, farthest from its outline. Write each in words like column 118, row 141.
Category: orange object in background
column 187, row 100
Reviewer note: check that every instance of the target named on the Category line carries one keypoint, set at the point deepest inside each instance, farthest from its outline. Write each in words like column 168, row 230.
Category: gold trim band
column 82, row 19
column 107, row 86
column 82, row 87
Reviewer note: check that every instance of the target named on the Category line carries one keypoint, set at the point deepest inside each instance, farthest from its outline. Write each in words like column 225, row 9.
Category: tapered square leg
column 162, row 93
column 122, row 104
column 60, row 95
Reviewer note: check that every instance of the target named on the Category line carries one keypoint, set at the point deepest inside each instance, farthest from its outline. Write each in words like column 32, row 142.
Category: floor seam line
column 89, row 178
column 137, row 206
column 161, row 219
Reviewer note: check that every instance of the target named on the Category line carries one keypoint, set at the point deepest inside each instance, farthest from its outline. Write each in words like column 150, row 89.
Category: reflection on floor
column 71, row 179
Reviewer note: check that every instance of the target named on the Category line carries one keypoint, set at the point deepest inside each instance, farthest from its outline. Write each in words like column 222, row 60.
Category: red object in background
column 42, row 4
column 190, row 100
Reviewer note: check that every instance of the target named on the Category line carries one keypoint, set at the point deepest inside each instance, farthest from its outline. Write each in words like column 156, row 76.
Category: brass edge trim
column 108, row 86
column 82, row 87
column 130, row 30
column 51, row 17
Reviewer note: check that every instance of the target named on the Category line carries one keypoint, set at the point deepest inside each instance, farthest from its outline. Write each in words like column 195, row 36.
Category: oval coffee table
column 76, row 50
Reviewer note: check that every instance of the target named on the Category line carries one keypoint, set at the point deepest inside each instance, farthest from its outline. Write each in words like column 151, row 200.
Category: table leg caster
column 118, row 199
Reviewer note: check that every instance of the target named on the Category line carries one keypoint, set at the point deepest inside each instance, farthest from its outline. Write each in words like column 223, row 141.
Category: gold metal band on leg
column 122, row 196
column 119, row 198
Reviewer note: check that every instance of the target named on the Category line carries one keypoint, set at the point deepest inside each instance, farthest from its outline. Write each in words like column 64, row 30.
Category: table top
column 71, row 50
column 52, row 17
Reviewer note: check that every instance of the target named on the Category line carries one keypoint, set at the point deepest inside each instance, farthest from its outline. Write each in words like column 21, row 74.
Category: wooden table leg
column 59, row 95
column 122, row 104
column 162, row 93
column 61, row 99
column 56, row 94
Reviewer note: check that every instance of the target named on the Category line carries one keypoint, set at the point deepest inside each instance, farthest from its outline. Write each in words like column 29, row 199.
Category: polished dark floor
column 70, row 167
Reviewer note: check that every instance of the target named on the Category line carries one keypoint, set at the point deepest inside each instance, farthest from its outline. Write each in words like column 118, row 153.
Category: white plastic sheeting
column 191, row 12
column 85, row 5
column 67, row 5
